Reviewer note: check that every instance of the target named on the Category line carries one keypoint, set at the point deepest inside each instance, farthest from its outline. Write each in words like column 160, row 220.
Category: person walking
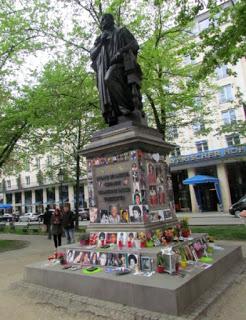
column 57, row 229
column 68, row 224
column 47, row 220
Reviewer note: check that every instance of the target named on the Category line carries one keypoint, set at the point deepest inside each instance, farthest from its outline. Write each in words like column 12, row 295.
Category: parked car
column 29, row 217
column 41, row 217
column 84, row 214
column 239, row 206
column 6, row 217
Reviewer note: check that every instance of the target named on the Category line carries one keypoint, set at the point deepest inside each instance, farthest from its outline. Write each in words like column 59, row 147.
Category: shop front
column 228, row 165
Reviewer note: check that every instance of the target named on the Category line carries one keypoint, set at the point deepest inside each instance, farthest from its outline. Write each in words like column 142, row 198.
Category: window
column 49, row 160
column 27, row 180
column 37, row 163
column 8, row 182
column 62, row 157
column 176, row 152
column 188, row 60
column 204, row 24
column 202, row 145
column 228, row 116
column 27, row 166
column 221, row 72
column 194, row 30
column 226, row 94
column 198, row 126
column 232, row 140
column 172, row 132
column 198, row 101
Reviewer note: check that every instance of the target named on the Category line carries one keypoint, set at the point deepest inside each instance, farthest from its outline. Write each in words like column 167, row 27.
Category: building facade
column 215, row 154
column 31, row 190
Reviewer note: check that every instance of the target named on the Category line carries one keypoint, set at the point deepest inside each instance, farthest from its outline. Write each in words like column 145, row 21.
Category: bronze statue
column 114, row 58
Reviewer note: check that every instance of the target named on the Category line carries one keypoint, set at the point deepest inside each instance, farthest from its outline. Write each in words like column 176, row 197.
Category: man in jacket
column 68, row 224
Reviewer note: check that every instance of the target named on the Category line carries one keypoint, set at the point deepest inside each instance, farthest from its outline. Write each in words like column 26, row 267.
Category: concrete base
column 160, row 292
column 124, row 137
column 136, row 227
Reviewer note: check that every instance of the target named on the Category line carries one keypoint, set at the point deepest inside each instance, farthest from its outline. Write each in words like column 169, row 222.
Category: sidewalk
column 210, row 218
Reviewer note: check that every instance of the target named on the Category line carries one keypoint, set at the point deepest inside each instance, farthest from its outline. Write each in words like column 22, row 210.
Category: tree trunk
column 77, row 176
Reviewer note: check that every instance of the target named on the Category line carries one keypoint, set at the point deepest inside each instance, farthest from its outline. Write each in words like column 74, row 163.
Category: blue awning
column 200, row 179
column 204, row 179
column 5, row 206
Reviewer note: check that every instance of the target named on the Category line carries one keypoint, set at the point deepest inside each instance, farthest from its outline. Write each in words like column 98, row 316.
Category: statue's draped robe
column 114, row 80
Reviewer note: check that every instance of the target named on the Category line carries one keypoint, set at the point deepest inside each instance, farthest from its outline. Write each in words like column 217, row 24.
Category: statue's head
column 107, row 21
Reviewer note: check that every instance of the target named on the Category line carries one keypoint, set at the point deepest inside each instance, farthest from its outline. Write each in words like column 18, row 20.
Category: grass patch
column 7, row 245
column 22, row 230
column 223, row 232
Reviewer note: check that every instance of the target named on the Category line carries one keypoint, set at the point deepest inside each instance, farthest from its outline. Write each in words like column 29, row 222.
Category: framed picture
column 146, row 215
column 161, row 195
column 111, row 238
column 136, row 213
column 161, row 215
column 94, row 216
column 188, row 253
column 153, row 198
column 146, row 264
column 93, row 238
column 132, row 261
column 136, row 198
column 167, row 214
column 85, row 259
column 104, row 216
column 70, row 256
column 94, row 258
column 124, row 216
column 194, row 254
column 102, row 238
column 78, row 256
column 113, row 259
column 114, row 214
column 103, row 259
column 151, row 176
column 122, row 259
column 121, row 238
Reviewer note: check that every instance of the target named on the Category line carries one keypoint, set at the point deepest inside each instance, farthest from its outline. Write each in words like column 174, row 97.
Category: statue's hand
column 116, row 58
column 104, row 37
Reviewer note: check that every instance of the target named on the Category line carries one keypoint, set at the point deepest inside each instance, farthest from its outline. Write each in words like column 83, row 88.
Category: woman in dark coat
column 56, row 222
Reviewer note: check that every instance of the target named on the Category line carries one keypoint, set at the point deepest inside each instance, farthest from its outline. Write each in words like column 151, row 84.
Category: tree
column 224, row 40
column 169, row 83
column 63, row 113
column 23, row 32
column 169, row 92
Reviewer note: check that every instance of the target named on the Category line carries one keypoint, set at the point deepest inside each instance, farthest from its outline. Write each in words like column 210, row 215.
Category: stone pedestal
column 129, row 185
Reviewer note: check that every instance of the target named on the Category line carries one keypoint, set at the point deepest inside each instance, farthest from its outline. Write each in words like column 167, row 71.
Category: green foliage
column 7, row 245
column 57, row 111
column 63, row 113
column 224, row 40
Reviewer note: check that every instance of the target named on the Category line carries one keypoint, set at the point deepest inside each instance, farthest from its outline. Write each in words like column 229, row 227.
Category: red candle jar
column 120, row 244
column 129, row 244
column 143, row 244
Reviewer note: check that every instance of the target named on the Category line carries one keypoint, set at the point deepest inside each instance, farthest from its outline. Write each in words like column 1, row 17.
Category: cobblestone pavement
column 21, row 301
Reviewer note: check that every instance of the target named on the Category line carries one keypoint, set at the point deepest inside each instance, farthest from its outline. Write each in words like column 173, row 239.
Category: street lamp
column 61, row 179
